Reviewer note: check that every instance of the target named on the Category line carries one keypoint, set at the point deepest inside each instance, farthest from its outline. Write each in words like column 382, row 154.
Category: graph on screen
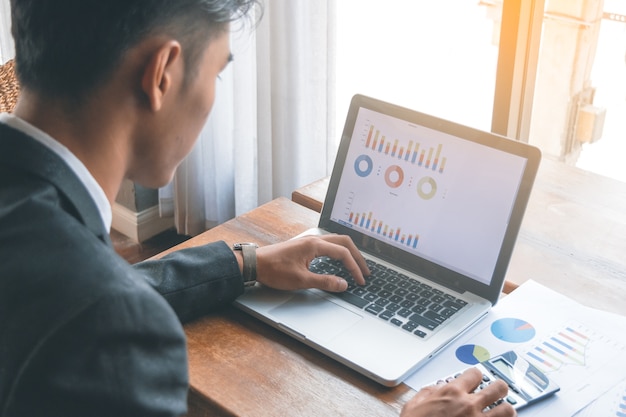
column 427, row 192
column 410, row 151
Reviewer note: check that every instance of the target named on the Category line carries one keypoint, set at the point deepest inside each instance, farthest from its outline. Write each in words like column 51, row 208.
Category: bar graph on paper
column 573, row 353
column 412, row 152
column 577, row 358
column 567, row 346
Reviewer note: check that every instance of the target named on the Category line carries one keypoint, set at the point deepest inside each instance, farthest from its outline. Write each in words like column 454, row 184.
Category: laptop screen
column 432, row 189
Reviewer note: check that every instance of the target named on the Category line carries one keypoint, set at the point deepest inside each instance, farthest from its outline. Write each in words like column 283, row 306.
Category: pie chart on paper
column 472, row 354
column 513, row 330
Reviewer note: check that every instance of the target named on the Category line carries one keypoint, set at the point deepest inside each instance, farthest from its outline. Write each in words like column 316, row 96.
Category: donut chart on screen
column 363, row 166
column 513, row 330
column 394, row 176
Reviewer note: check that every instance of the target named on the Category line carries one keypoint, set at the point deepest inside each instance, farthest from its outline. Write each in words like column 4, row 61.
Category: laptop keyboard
column 392, row 296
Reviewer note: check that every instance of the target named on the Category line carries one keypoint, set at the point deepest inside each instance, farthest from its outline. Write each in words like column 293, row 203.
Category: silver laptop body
column 439, row 203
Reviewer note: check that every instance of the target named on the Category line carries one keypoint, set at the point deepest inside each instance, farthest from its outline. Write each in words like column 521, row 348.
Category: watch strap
column 248, row 251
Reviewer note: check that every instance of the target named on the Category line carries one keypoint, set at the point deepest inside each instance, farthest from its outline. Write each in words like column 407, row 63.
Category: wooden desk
column 573, row 237
column 240, row 366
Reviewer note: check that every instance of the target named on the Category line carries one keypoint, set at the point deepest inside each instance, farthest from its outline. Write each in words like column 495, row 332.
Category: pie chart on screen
column 472, row 354
column 513, row 330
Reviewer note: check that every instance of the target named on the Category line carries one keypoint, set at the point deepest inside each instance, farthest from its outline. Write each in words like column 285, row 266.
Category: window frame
column 518, row 53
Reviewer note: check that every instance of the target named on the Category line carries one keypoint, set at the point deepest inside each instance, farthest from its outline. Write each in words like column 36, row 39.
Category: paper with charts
column 579, row 348
column 610, row 404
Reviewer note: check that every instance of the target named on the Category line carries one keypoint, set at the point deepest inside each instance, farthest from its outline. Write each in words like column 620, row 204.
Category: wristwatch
column 248, row 250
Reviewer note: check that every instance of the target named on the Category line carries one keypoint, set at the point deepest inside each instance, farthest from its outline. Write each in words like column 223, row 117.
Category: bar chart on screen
column 411, row 151
column 380, row 226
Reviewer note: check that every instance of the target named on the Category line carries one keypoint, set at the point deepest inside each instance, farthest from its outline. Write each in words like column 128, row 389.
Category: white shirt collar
column 81, row 171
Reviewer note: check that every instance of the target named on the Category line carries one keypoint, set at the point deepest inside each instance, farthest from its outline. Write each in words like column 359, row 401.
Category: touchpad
column 314, row 316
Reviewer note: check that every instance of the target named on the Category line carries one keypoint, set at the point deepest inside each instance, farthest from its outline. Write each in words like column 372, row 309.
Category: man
column 111, row 90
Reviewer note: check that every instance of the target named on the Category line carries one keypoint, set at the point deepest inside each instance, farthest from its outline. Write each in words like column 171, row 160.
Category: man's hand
column 285, row 266
column 456, row 399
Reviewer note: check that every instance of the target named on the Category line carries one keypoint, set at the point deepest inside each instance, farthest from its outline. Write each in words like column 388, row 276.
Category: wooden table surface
column 573, row 237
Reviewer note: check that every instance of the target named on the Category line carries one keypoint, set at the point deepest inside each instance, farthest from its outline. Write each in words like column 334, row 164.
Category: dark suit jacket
column 82, row 333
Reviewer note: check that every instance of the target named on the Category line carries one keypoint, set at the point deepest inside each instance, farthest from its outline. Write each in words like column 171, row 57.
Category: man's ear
column 159, row 72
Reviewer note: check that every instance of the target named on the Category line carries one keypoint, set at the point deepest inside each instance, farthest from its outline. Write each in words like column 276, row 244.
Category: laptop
column 435, row 207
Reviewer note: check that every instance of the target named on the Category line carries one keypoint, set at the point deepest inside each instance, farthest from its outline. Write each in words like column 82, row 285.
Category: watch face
column 238, row 246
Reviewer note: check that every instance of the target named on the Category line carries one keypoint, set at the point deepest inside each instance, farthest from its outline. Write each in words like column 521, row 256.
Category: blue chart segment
column 513, row 330
column 472, row 354
column 363, row 166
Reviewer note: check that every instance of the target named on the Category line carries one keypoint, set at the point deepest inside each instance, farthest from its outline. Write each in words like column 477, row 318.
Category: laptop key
column 410, row 326
column 418, row 309
column 374, row 288
column 426, row 294
column 423, row 321
column 379, row 282
column 401, row 292
column 419, row 333
column 446, row 312
column 436, row 317
column 352, row 299
column 386, row 315
column 393, row 307
column 423, row 302
column 374, row 309
column 453, row 305
column 396, row 299
column 438, row 299
column 359, row 291
column 384, row 294
column 382, row 302
column 404, row 282
column 370, row 297
column 412, row 297
column 435, row 307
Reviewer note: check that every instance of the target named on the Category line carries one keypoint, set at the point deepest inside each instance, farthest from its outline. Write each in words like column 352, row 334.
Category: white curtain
column 272, row 126
column 7, row 49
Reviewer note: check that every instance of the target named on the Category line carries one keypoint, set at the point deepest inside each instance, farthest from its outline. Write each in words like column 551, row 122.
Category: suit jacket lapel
column 24, row 153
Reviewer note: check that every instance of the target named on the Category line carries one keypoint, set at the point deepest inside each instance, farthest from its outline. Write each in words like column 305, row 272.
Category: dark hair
column 67, row 48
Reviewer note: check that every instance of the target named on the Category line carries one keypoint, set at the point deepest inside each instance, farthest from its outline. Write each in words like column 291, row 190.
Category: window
column 554, row 77
column 438, row 57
